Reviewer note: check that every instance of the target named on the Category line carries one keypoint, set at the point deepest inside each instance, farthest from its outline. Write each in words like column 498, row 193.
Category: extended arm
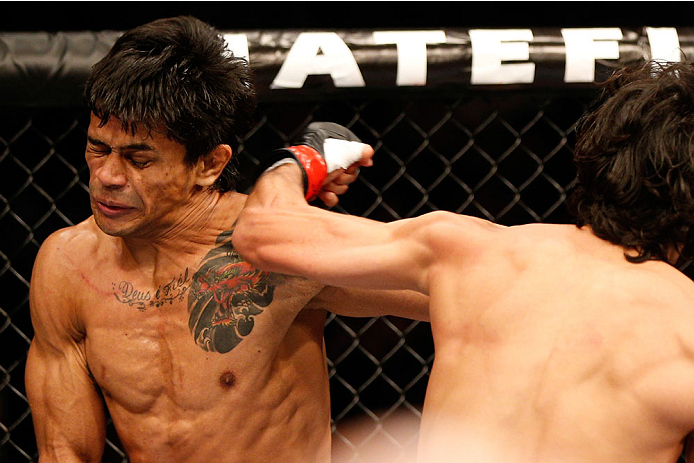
column 280, row 232
column 357, row 302
column 66, row 409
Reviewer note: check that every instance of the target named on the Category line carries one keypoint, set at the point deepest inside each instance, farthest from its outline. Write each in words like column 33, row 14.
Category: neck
column 185, row 231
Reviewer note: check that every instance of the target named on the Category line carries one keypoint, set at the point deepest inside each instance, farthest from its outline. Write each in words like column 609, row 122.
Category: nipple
column 227, row 380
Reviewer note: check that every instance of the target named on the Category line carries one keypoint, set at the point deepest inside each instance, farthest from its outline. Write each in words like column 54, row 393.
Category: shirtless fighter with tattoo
column 554, row 343
column 146, row 308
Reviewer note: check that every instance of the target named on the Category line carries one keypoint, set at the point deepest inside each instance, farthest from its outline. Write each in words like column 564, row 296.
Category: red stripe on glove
column 314, row 166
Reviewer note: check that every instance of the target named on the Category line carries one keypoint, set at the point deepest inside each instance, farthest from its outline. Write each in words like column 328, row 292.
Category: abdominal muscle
column 226, row 432
column 172, row 401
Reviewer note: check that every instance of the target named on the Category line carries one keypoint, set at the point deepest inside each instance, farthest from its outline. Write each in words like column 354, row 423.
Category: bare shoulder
column 446, row 230
column 62, row 258
column 662, row 315
column 451, row 219
column 69, row 250
column 665, row 286
column 456, row 236
column 84, row 236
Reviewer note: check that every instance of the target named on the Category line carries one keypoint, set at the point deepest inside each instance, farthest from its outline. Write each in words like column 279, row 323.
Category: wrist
column 289, row 173
column 313, row 167
column 282, row 162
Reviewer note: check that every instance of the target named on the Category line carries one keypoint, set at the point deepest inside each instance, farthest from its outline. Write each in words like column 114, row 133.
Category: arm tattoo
column 226, row 295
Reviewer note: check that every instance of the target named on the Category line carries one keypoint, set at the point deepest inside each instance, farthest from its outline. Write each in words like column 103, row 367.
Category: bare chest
column 207, row 330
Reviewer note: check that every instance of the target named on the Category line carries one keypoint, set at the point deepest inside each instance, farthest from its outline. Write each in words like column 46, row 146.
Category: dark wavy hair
column 176, row 76
column 635, row 160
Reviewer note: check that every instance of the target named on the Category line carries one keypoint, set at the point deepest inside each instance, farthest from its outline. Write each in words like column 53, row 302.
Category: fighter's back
column 552, row 347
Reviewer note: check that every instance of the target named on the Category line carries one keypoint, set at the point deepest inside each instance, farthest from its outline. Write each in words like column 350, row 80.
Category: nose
column 111, row 173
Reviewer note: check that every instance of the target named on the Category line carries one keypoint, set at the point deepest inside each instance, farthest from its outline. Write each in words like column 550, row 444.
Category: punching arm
column 278, row 231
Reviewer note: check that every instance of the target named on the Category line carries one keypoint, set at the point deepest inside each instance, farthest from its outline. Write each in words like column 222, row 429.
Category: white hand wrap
column 340, row 154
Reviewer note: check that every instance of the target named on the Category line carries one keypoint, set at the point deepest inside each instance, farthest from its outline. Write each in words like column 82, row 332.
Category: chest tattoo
column 226, row 295
column 171, row 292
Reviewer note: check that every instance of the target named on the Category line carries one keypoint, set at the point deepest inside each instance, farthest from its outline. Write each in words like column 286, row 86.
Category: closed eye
column 97, row 147
column 139, row 164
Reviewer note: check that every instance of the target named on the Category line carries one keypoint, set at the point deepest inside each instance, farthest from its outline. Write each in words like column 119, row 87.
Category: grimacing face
column 137, row 183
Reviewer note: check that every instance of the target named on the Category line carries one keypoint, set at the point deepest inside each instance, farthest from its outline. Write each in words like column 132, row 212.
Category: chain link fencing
column 500, row 155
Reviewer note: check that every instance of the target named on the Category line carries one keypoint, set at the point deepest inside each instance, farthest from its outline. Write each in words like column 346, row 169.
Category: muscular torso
column 552, row 347
column 206, row 358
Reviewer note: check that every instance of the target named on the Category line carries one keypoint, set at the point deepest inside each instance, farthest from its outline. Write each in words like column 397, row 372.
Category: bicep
column 67, row 410
column 335, row 249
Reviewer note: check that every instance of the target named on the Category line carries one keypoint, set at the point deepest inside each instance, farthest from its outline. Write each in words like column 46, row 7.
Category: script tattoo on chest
column 226, row 295
column 171, row 292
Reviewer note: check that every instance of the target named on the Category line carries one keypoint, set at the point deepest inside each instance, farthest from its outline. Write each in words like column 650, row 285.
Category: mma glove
column 323, row 148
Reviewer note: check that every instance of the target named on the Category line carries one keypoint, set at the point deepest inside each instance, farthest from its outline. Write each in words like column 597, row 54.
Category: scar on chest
column 227, row 380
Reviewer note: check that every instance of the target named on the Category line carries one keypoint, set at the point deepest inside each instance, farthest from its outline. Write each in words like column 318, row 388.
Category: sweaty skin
column 198, row 355
column 550, row 346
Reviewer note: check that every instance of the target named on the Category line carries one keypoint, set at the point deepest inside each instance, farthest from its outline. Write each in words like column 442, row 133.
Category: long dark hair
column 635, row 160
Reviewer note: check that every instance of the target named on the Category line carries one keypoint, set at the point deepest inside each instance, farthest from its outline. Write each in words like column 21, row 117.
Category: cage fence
column 500, row 153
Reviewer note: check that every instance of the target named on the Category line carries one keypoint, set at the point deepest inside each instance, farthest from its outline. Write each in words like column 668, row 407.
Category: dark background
column 32, row 133
column 95, row 15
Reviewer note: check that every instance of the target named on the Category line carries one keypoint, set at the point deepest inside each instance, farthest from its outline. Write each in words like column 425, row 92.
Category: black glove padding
column 309, row 151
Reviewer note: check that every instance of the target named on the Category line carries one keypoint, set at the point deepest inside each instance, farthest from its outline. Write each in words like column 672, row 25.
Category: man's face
column 137, row 183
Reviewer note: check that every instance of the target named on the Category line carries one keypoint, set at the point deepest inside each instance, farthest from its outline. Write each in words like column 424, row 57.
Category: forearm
column 278, row 231
column 353, row 302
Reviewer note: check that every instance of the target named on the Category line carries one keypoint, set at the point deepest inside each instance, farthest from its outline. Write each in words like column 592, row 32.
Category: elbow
column 244, row 237
column 251, row 238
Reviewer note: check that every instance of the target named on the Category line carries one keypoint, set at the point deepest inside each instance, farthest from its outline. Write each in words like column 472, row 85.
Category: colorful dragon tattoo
column 226, row 295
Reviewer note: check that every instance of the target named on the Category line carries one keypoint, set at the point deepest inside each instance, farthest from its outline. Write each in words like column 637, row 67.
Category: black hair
column 176, row 76
column 635, row 161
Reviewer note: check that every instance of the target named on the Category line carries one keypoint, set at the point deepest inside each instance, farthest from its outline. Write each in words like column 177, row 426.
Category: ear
column 211, row 165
